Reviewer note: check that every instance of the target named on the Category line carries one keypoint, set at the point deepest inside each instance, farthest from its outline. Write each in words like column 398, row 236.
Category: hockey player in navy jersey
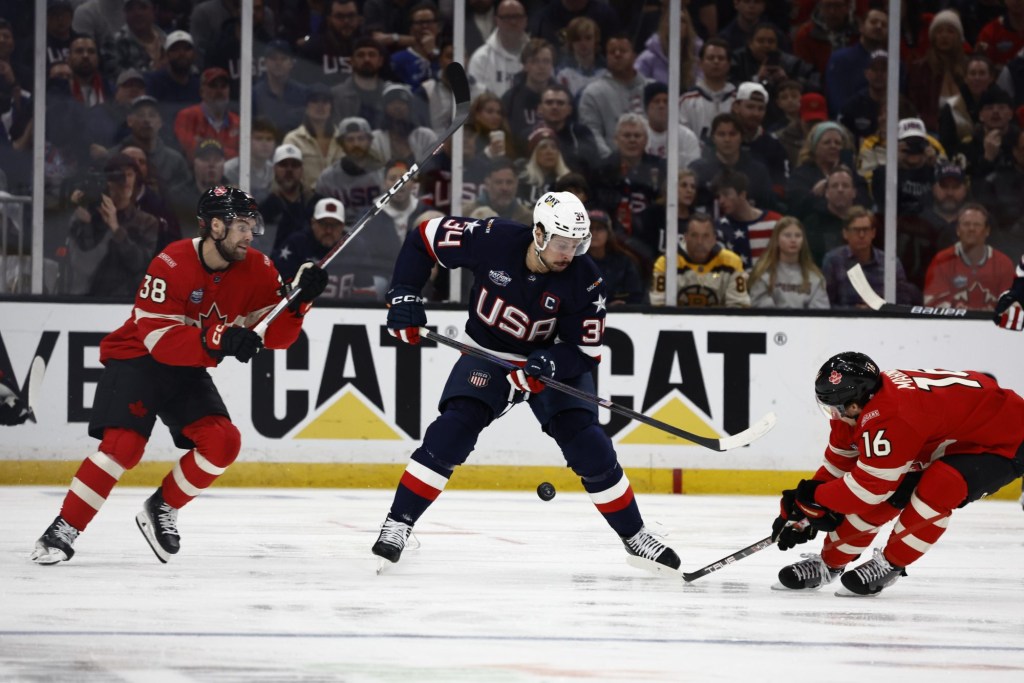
column 539, row 301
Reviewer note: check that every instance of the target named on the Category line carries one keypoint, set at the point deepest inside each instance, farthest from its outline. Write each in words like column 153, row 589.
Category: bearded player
column 539, row 301
column 195, row 307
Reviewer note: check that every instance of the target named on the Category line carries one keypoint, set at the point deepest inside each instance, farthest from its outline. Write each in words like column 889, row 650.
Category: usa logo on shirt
column 479, row 379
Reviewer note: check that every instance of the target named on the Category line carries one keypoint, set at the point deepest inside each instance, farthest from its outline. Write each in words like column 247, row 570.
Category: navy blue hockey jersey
column 512, row 311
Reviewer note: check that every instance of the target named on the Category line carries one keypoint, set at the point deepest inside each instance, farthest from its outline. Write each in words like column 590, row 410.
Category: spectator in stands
column 1003, row 37
column 831, row 26
column 990, row 145
column 577, row 142
column 139, row 44
column 315, row 137
column 738, row 32
column 827, row 145
column 618, row 92
column 290, row 205
column 742, row 228
column 938, row 76
column 88, row 86
column 713, row 93
column 949, row 195
column 786, row 275
column 521, row 99
column 358, row 176
column 21, row 64
column 552, row 19
column 581, row 61
column 207, row 169
column 859, row 234
column 261, row 166
column 848, row 70
column 707, row 274
column 105, row 123
column 110, row 241
column 499, row 59
column 916, row 159
column 398, row 136
column 788, row 101
column 361, row 94
column 652, row 63
column 725, row 153
column 823, row 226
column 617, row 266
column 761, row 61
column 811, row 109
column 872, row 152
column 656, row 230
column 166, row 164
column 419, row 61
column 175, row 85
column 208, row 19
column 544, row 165
column 500, row 195
column 656, row 111
column 227, row 50
column 480, row 22
column 15, row 129
column 440, row 107
column 58, row 32
column 487, row 131
column 149, row 199
column 276, row 96
column 630, row 180
column 211, row 119
column 969, row 274
column 749, row 107
column 325, row 56
column 859, row 113
column 960, row 114
column 1000, row 190
column 99, row 19
column 389, row 22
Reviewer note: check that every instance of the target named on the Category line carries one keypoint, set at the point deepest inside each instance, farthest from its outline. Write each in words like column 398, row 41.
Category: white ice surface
column 279, row 585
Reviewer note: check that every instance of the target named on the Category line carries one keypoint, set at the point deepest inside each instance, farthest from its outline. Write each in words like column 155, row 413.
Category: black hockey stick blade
column 729, row 559
column 860, row 283
column 459, row 84
column 747, row 436
column 34, row 385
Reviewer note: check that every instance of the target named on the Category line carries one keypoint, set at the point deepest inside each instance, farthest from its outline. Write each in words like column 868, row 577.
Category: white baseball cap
column 287, row 151
column 178, row 37
column 329, row 208
column 749, row 90
column 911, row 128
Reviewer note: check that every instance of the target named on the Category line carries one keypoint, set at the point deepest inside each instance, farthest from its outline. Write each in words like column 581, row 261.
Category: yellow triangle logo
column 678, row 412
column 349, row 417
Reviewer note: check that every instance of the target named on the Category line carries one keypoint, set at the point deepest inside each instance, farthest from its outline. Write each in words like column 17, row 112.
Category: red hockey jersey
column 915, row 419
column 179, row 298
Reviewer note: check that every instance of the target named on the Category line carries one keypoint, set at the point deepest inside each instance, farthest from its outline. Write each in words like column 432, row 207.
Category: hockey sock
column 613, row 497
column 942, row 488
column 855, row 534
column 422, row 482
column 217, row 445
column 120, row 450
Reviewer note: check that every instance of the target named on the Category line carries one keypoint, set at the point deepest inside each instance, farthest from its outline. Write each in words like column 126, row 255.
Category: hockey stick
column 33, row 385
column 457, row 81
column 747, row 436
column 860, row 283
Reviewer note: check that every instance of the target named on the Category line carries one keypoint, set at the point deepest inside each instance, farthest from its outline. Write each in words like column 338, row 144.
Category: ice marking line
column 728, row 642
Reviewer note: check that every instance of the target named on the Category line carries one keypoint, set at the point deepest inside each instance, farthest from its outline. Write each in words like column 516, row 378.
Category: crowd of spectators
column 782, row 122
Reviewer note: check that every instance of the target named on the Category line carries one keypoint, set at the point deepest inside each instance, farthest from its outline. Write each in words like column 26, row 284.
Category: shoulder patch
column 167, row 259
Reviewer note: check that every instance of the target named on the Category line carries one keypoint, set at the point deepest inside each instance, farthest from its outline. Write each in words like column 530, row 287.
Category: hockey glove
column 1009, row 314
column 788, row 534
column 527, row 378
column 798, row 504
column 311, row 281
column 406, row 314
column 240, row 342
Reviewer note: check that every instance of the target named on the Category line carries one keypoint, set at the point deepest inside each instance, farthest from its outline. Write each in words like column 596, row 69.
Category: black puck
column 546, row 491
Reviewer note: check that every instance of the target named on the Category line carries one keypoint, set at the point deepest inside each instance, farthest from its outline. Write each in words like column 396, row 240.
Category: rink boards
column 346, row 404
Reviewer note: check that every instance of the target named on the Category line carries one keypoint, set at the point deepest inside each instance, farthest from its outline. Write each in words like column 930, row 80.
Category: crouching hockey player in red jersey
column 539, row 301
column 912, row 444
column 195, row 307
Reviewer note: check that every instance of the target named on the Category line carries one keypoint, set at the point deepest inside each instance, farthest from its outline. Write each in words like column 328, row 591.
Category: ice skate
column 55, row 544
column 810, row 573
column 648, row 553
column 158, row 523
column 871, row 577
column 391, row 542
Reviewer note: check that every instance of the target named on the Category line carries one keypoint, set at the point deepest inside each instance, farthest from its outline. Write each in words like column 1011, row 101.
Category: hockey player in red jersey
column 912, row 444
column 195, row 306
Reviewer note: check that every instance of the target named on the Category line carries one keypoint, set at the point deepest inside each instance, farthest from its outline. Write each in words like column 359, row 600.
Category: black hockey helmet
column 845, row 378
column 227, row 203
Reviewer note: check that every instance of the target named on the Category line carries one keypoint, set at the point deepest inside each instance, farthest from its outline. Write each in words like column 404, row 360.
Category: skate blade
column 381, row 563
column 142, row 520
column 48, row 556
column 845, row 592
column 777, row 586
column 652, row 567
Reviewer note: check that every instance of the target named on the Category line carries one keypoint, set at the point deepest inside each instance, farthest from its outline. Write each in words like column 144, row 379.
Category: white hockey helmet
column 562, row 214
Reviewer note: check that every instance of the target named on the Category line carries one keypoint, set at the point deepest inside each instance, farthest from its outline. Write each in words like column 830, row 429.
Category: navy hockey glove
column 406, row 314
column 1009, row 314
column 527, row 378
column 240, row 342
column 311, row 280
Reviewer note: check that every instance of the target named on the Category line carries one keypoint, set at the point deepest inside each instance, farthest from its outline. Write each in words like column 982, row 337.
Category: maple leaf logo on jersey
column 212, row 315
column 138, row 409
column 220, row 190
column 836, row 377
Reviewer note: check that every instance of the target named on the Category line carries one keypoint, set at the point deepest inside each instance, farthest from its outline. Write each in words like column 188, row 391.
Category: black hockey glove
column 406, row 314
column 311, row 281
column 240, row 342
column 799, row 503
column 527, row 378
column 788, row 534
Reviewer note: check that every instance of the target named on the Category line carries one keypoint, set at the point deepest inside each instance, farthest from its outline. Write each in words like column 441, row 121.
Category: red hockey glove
column 527, row 378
